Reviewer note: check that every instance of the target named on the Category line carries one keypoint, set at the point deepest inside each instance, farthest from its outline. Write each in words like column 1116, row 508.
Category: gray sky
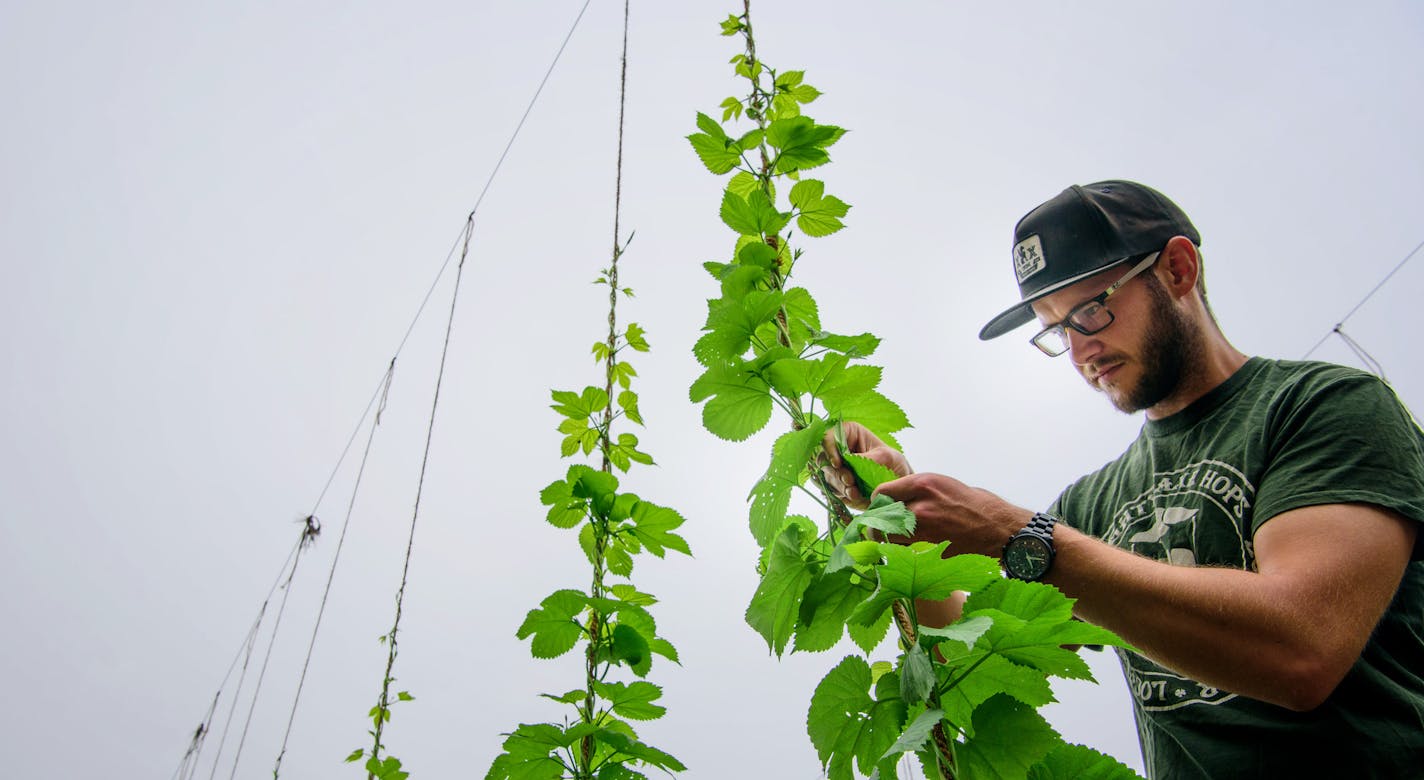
column 216, row 222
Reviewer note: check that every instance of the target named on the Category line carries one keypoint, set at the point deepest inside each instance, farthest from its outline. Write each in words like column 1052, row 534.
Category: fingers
column 842, row 482
column 832, row 450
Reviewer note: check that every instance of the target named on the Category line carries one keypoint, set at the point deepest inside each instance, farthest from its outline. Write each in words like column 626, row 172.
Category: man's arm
column 1285, row 634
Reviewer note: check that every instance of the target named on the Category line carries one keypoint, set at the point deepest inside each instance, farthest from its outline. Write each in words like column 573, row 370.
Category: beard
column 1171, row 348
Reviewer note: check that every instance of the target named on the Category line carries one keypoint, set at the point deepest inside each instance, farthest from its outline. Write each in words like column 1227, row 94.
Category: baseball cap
column 1081, row 231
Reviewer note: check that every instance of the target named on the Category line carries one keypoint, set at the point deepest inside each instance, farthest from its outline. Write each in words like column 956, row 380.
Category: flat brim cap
column 1081, row 231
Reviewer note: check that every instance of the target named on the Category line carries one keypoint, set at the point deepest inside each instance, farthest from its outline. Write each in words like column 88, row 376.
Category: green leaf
column 870, row 474
column 598, row 486
column 618, row 559
column 803, row 317
column 915, row 735
column 884, row 514
column 633, row 700
column 713, row 147
column 740, row 402
column 1032, row 623
column 637, row 337
column 986, row 677
column 920, row 571
column 628, row 402
column 868, row 636
column 731, row 109
column 775, row 605
column 405, row 696
column 553, row 626
column 623, row 374
column 820, row 213
column 917, row 676
column 752, row 215
column 871, row 409
column 732, row 324
column 565, row 511
column 732, row 25
column 653, row 527
column 631, row 595
column 1078, row 762
column 527, row 754
column 824, row 608
column 1009, row 737
column 629, row 646
column 356, row 755
column 771, row 496
column 846, row 725
column 863, row 345
column 801, row 143
column 744, row 184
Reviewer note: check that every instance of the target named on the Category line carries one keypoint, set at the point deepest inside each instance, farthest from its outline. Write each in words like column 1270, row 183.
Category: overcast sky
column 218, row 220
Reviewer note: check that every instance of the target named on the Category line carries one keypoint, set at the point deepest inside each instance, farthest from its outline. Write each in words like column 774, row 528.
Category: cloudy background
column 217, row 222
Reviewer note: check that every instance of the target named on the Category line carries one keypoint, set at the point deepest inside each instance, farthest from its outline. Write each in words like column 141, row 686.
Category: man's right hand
column 858, row 441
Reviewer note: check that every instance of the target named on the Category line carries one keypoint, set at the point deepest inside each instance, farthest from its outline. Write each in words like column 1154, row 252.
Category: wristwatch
column 1030, row 552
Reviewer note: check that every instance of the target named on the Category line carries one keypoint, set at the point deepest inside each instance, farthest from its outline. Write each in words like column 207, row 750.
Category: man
column 1258, row 542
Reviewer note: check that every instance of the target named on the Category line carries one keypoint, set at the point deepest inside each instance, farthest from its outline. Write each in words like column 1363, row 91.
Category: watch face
column 1027, row 557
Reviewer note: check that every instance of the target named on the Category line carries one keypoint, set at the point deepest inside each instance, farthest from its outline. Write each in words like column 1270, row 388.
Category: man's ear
column 1179, row 266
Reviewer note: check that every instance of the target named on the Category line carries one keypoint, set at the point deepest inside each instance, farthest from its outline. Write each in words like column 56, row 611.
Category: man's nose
column 1082, row 349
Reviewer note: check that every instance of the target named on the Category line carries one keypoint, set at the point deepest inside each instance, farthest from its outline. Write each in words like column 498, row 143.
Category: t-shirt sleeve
column 1341, row 438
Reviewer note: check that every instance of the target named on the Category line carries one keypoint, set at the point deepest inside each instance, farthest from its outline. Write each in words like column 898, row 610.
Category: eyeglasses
column 1088, row 317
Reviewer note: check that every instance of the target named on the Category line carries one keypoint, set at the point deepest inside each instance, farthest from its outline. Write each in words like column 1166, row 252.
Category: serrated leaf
column 1079, row 762
column 740, row 402
column 628, row 402
column 629, row 646
column 884, row 514
column 870, row 635
column 801, row 143
column 637, row 337
column 869, row 474
column 820, row 214
column 623, row 374
column 988, row 676
column 920, row 571
column 771, row 496
column 1009, row 737
column 776, row 603
column 552, row 625
column 824, row 608
column 653, row 526
column 618, row 559
column 356, row 755
column 915, row 735
column 731, row 109
column 752, row 215
column 744, row 184
column 873, row 410
column 632, row 700
column 917, row 676
column 863, row 345
column 846, row 725
column 565, row 511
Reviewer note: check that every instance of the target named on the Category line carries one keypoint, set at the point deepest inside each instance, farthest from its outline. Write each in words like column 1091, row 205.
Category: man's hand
column 974, row 520
column 858, row 441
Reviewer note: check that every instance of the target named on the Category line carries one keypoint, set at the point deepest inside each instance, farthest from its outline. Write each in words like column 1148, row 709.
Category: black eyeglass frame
column 1051, row 348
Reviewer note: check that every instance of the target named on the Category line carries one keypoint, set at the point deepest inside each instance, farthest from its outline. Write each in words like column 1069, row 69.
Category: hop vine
column 962, row 698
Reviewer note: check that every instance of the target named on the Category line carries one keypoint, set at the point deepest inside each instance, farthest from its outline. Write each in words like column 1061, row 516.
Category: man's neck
column 1218, row 361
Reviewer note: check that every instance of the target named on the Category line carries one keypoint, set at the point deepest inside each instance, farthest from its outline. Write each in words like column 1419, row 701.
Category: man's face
column 1137, row 361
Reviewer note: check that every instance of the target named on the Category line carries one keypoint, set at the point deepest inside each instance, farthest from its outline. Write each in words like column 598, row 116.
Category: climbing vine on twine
column 611, row 619
column 962, row 698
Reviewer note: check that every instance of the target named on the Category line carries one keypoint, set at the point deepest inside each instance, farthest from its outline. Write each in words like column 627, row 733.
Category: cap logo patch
column 1028, row 258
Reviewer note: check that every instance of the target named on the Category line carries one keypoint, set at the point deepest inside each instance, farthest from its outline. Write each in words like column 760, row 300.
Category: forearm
column 1259, row 634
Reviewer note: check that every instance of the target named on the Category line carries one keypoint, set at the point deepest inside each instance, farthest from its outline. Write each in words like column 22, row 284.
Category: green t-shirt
column 1193, row 488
